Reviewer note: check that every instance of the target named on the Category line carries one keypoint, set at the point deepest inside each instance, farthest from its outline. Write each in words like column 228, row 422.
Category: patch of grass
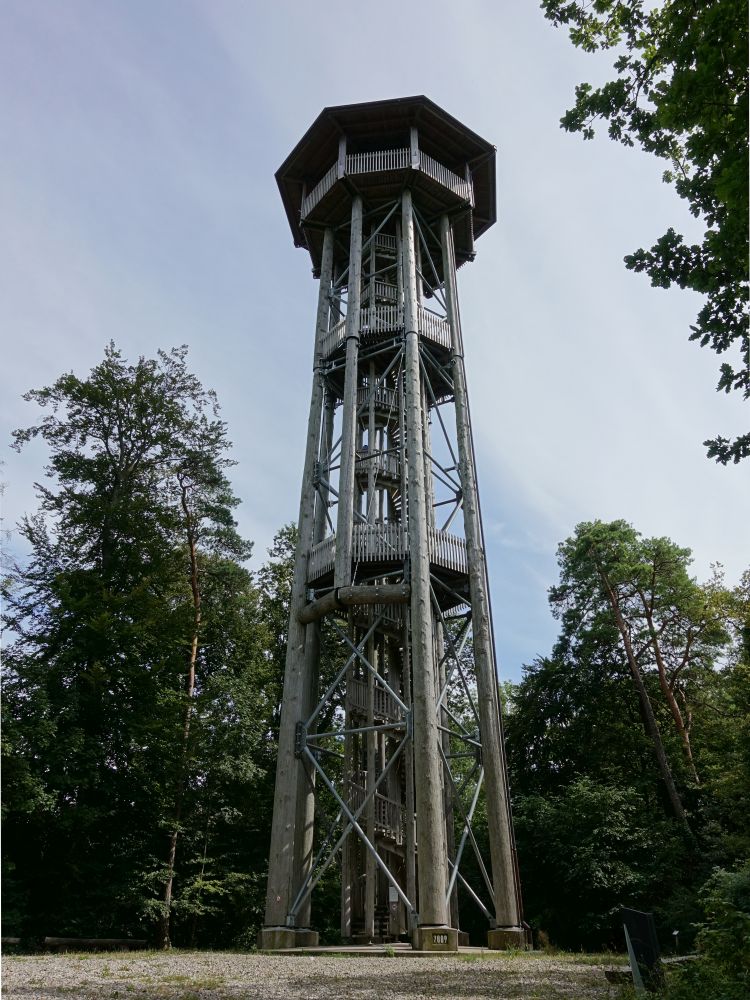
column 177, row 979
column 603, row 958
column 209, row 983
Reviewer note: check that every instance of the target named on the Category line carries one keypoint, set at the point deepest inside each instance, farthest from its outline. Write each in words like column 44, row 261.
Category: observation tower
column 391, row 730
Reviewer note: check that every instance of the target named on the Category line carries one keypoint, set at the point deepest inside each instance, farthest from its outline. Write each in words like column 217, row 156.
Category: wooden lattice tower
column 398, row 741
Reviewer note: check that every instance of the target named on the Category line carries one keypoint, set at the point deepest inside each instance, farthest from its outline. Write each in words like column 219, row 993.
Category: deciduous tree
column 113, row 680
column 681, row 93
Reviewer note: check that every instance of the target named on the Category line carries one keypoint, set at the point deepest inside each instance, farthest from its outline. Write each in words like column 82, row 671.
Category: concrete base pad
column 501, row 938
column 274, row 938
column 429, row 938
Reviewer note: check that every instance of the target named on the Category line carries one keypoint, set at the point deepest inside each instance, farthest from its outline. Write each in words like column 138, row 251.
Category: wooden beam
column 347, row 597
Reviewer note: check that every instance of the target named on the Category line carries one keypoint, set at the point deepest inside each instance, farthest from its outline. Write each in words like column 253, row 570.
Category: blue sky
column 138, row 204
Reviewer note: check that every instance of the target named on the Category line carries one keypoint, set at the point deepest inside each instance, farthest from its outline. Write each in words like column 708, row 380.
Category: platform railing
column 384, row 320
column 389, row 543
column 385, row 464
column 388, row 812
column 380, row 160
column 458, row 185
column 320, row 190
column 377, row 160
column 384, row 707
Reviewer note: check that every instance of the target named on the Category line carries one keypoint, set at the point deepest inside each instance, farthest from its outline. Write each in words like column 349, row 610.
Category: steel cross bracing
column 456, row 695
column 390, row 732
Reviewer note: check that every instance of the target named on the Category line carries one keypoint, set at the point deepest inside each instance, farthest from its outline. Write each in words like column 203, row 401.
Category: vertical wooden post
column 345, row 516
column 372, row 506
column 414, row 147
column 370, row 869
column 291, row 804
column 450, row 834
column 507, row 893
column 326, row 441
column 432, row 874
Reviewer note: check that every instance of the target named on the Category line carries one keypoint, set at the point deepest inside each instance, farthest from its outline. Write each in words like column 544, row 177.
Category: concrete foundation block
column 431, row 938
column 502, row 938
column 281, row 938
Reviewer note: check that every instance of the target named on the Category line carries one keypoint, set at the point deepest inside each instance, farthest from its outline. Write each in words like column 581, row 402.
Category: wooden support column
column 372, row 502
column 507, row 891
column 324, row 462
column 432, row 874
column 348, row 849
column 429, row 485
column 410, row 832
column 345, row 517
column 370, row 868
column 450, row 833
column 292, row 805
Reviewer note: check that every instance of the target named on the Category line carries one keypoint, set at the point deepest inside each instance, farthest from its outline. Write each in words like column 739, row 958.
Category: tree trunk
column 667, row 691
column 648, row 713
column 164, row 923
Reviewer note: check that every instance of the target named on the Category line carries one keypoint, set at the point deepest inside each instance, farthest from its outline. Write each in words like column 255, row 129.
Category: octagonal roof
column 440, row 135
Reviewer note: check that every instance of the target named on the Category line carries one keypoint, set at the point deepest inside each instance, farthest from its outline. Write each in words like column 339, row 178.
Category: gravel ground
column 229, row 976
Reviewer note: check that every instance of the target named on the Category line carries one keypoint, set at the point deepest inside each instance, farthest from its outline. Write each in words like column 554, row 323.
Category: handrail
column 385, row 397
column 380, row 160
column 380, row 289
column 458, row 185
column 389, row 812
column 376, row 320
column 384, row 705
column 320, row 190
column 385, row 464
column 389, row 543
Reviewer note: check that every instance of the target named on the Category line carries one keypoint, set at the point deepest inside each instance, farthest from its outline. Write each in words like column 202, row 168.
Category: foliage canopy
column 681, row 93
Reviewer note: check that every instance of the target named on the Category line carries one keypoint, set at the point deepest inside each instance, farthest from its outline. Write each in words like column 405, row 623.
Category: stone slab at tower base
column 502, row 938
column 277, row 938
column 429, row 938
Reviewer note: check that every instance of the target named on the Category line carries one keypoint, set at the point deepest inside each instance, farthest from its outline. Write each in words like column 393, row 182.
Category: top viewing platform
column 375, row 150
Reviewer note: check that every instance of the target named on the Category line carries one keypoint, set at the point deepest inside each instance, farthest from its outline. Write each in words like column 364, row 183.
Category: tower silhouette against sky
column 391, row 730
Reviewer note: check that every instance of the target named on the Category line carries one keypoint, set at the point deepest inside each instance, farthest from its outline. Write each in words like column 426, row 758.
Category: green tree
column 585, row 851
column 587, row 796
column 613, row 581
column 136, row 635
column 681, row 93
